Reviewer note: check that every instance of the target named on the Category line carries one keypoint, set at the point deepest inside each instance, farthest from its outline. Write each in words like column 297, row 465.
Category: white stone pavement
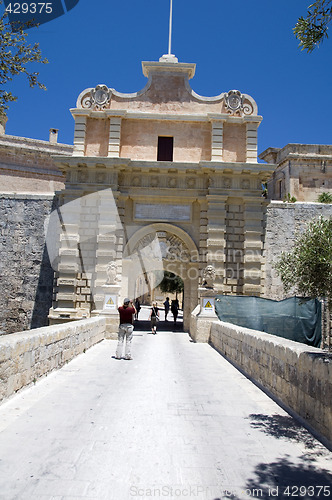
column 176, row 422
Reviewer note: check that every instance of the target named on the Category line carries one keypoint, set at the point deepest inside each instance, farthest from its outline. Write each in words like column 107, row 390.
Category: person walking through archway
column 175, row 309
column 166, row 305
column 154, row 317
column 138, row 308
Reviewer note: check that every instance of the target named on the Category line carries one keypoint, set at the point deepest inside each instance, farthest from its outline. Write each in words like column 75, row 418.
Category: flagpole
column 170, row 27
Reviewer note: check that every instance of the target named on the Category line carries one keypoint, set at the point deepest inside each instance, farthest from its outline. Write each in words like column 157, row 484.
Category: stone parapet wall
column 298, row 375
column 26, row 274
column 26, row 165
column 284, row 222
column 27, row 356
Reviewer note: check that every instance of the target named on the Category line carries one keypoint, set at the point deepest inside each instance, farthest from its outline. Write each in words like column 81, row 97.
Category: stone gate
column 166, row 173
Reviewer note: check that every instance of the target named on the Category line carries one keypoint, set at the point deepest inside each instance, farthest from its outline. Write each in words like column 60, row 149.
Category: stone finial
column 168, row 58
column 209, row 276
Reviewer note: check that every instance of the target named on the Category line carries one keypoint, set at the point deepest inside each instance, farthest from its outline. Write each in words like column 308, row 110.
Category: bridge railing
column 299, row 376
column 27, row 356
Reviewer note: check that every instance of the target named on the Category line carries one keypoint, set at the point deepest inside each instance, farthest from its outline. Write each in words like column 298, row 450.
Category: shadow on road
column 283, row 426
column 163, row 326
column 285, row 479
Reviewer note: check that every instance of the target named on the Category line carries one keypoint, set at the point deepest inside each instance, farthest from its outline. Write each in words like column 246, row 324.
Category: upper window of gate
column 165, row 149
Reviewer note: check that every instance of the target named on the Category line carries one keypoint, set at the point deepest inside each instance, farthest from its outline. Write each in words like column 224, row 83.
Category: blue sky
column 245, row 44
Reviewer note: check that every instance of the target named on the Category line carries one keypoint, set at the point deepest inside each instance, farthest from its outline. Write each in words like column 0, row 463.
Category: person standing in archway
column 166, row 305
column 154, row 317
column 137, row 307
column 175, row 309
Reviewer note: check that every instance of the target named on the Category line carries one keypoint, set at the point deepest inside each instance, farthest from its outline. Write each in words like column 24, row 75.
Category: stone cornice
column 319, row 152
column 176, row 117
column 33, row 145
column 18, row 169
column 187, row 69
column 211, row 167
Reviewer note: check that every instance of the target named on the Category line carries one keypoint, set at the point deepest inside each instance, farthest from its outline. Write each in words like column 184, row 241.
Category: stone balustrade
column 27, row 356
column 298, row 375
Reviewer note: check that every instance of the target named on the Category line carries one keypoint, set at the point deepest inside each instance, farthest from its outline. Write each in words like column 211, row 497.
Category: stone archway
column 163, row 247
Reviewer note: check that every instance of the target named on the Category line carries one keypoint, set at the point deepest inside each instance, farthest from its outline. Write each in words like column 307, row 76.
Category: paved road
column 176, row 422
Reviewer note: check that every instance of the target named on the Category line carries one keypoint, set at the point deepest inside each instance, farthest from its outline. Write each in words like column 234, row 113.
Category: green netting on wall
column 295, row 318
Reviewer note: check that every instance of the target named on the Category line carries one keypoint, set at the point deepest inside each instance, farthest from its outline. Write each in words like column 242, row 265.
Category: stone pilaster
column 217, row 140
column 109, row 243
column 79, row 135
column 253, row 247
column 67, row 269
column 251, row 144
column 234, row 252
column 114, row 137
column 203, row 233
column 216, row 215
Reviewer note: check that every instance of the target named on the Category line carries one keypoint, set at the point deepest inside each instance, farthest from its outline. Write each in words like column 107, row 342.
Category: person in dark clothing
column 126, row 328
column 166, row 305
column 175, row 309
column 154, row 317
column 137, row 307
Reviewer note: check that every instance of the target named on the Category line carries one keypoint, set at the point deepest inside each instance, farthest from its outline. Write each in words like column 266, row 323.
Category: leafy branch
column 313, row 29
column 15, row 55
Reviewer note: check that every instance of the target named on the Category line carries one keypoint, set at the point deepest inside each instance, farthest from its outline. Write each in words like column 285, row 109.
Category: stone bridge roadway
column 176, row 422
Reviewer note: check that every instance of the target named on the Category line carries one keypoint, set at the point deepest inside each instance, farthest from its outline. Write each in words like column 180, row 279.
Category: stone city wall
column 27, row 356
column 283, row 223
column 27, row 277
column 26, row 274
column 299, row 375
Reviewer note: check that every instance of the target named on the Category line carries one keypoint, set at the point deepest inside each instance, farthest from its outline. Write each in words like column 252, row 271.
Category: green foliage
column 312, row 29
column 15, row 55
column 171, row 283
column 325, row 198
column 264, row 189
column 289, row 199
column 308, row 267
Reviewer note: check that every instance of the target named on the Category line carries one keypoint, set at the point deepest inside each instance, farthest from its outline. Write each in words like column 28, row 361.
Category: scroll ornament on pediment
column 98, row 98
column 236, row 103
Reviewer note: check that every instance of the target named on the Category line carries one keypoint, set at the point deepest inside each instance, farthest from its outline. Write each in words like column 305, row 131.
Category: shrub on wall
column 325, row 198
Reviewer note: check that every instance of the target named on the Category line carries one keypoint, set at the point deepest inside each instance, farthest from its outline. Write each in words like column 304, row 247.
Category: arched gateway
column 163, row 247
column 159, row 179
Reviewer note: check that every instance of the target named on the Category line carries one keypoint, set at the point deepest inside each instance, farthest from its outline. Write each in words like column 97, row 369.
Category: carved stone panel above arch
column 169, row 242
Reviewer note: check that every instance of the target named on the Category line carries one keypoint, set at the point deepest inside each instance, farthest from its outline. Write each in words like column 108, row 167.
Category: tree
column 312, row 29
column 171, row 283
column 308, row 267
column 15, row 55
